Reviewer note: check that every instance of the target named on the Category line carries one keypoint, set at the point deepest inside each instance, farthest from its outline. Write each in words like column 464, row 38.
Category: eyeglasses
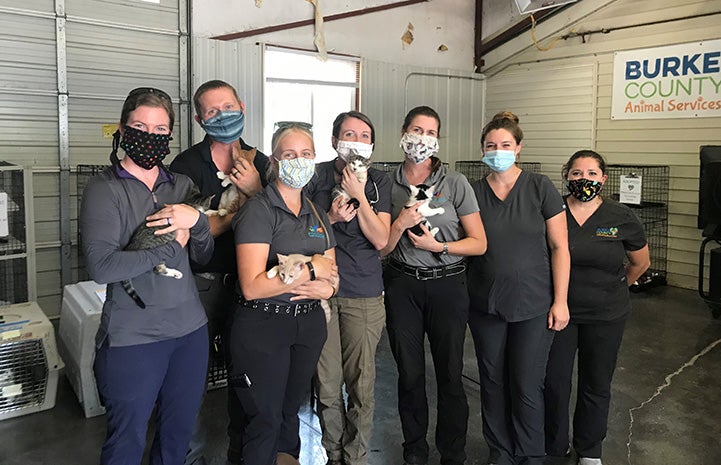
column 292, row 124
column 150, row 90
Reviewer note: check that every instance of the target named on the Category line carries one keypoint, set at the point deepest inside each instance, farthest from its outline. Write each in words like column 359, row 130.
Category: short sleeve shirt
column 513, row 279
column 598, row 290
column 359, row 263
column 197, row 163
column 265, row 219
column 454, row 194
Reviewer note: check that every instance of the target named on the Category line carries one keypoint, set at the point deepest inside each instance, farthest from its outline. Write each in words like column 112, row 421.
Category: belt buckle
column 296, row 310
column 418, row 274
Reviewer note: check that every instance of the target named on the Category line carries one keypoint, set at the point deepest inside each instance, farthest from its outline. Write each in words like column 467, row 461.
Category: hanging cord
column 535, row 42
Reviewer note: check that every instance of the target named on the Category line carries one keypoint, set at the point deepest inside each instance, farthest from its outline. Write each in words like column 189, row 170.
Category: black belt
column 423, row 273
column 280, row 309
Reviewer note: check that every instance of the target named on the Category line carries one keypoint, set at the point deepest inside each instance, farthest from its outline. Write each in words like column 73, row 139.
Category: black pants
column 272, row 361
column 512, row 365
column 597, row 346
column 439, row 308
column 218, row 299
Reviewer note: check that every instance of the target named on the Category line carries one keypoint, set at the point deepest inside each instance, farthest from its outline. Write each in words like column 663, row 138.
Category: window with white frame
column 300, row 87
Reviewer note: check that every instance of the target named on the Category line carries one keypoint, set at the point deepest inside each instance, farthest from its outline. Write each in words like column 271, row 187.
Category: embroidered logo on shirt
column 438, row 197
column 607, row 232
column 316, row 231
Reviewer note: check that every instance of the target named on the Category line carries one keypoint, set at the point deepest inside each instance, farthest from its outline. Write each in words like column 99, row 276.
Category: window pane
column 302, row 66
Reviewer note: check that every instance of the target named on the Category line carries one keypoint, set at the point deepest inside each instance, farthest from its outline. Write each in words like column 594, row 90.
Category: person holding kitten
column 361, row 229
column 425, row 288
column 221, row 113
column 155, row 356
column 278, row 329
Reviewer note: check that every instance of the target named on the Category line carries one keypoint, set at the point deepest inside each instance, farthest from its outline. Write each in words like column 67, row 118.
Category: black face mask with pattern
column 146, row 149
column 584, row 190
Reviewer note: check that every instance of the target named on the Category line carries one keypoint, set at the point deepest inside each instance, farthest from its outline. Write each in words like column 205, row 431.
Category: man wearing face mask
column 221, row 114
column 357, row 312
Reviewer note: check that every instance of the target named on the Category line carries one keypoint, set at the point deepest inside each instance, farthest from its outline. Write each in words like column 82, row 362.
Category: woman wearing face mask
column 278, row 329
column 518, row 294
column 608, row 253
column 157, row 355
column 357, row 312
column 425, row 287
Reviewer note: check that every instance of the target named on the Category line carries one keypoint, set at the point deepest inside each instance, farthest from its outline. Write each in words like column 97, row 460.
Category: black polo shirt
column 358, row 260
column 598, row 290
column 197, row 163
column 265, row 219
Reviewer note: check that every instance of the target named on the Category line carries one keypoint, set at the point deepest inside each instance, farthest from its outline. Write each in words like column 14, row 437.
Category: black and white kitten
column 423, row 194
column 145, row 238
column 359, row 166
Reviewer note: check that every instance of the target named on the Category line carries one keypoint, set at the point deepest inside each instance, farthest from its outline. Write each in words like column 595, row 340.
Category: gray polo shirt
column 513, row 279
column 359, row 262
column 114, row 205
column 454, row 194
column 265, row 219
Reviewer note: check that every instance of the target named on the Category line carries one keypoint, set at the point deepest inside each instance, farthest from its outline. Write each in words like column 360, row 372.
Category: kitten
column 423, row 193
column 232, row 198
column 144, row 238
column 359, row 166
column 291, row 266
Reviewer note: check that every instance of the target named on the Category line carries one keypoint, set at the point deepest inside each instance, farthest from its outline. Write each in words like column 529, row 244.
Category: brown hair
column 504, row 120
column 210, row 85
column 584, row 154
column 338, row 122
column 421, row 111
column 147, row 97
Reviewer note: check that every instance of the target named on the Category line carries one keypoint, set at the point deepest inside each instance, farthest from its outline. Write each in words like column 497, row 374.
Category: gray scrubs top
column 359, row 262
column 265, row 219
column 513, row 279
column 454, row 194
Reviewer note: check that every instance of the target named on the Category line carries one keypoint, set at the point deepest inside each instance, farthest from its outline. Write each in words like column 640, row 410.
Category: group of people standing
column 537, row 277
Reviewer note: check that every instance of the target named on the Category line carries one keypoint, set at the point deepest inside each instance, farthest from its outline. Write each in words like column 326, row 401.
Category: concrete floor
column 666, row 406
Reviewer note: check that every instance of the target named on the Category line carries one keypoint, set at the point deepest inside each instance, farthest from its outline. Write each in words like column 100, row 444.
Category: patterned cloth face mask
column 499, row 160
column 146, row 149
column 418, row 148
column 584, row 190
column 296, row 172
column 345, row 148
column 225, row 126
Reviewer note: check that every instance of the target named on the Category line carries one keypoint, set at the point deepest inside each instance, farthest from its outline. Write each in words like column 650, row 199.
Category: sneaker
column 589, row 461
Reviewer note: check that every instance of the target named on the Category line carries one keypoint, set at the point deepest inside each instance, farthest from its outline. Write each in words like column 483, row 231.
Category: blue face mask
column 499, row 160
column 225, row 126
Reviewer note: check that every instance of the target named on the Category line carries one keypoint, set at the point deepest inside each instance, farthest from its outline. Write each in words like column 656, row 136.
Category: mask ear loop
column 114, row 153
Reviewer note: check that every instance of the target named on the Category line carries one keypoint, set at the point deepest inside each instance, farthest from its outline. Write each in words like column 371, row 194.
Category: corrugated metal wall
column 65, row 68
column 585, row 67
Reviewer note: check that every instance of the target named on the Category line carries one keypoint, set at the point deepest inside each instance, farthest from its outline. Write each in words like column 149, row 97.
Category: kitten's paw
column 211, row 212
column 177, row 274
column 222, row 212
column 272, row 273
column 434, row 231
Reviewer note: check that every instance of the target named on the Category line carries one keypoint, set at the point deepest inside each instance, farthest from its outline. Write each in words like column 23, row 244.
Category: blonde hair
column 278, row 135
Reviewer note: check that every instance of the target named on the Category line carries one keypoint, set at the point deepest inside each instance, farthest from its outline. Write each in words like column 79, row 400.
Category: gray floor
column 666, row 406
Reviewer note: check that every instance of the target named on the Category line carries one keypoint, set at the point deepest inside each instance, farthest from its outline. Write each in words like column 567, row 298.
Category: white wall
column 546, row 109
column 374, row 36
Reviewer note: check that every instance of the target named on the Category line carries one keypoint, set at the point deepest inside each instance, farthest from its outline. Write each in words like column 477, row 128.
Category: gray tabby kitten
column 359, row 166
column 145, row 238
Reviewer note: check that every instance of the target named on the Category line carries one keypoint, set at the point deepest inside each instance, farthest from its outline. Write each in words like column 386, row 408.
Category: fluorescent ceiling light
column 530, row 6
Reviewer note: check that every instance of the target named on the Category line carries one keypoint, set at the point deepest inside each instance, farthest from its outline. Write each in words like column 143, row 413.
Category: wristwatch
column 445, row 249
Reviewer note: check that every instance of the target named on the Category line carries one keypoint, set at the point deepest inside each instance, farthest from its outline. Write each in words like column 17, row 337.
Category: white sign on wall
column 678, row 81
column 630, row 190
column 3, row 214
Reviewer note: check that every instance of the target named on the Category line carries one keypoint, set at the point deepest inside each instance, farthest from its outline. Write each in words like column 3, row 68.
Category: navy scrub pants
column 598, row 345
column 131, row 380
column 438, row 308
column 512, row 365
column 272, row 361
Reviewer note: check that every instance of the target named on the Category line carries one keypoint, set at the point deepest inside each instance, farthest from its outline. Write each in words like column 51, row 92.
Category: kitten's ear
column 414, row 190
column 299, row 266
column 281, row 258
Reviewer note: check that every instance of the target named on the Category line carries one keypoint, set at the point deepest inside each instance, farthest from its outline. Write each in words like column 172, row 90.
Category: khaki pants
column 349, row 357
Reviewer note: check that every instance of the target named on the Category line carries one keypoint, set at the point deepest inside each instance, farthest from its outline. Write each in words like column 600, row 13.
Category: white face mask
column 418, row 148
column 345, row 148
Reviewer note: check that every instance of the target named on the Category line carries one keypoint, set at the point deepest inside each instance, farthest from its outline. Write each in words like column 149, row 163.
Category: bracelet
column 311, row 270
column 445, row 249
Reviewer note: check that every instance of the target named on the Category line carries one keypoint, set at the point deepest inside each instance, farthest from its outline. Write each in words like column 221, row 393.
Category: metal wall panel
column 673, row 142
column 389, row 90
